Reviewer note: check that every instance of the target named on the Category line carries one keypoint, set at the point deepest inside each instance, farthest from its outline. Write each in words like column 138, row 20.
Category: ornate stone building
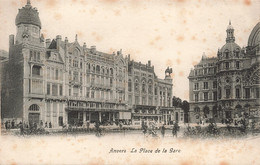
column 228, row 85
column 63, row 82
column 149, row 98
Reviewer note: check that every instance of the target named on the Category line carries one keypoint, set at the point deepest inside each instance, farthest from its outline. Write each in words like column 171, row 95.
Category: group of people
column 151, row 129
column 10, row 125
column 175, row 129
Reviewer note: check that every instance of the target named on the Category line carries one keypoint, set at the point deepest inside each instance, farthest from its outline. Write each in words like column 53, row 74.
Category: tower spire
column 230, row 33
column 28, row 4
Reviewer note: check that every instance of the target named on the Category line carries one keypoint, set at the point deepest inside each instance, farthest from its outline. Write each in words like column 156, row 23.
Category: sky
column 172, row 33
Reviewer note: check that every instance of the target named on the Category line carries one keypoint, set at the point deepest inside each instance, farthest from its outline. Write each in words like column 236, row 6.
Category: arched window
column 237, row 53
column 111, row 71
column 98, row 69
column 226, row 53
column 129, row 85
column 103, row 70
column 206, row 111
column 143, row 87
column 136, row 85
column 34, row 107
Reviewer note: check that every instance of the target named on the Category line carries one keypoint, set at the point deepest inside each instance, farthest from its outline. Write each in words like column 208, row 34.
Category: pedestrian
column 144, row 129
column 46, row 125
column 13, row 123
column 50, row 125
column 98, row 130
column 163, row 130
column 6, row 124
column 21, row 128
column 175, row 129
column 35, row 126
column 88, row 124
column 41, row 124
column 9, row 124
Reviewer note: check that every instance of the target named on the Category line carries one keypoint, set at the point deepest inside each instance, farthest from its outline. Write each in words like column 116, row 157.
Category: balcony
column 36, row 76
column 36, row 61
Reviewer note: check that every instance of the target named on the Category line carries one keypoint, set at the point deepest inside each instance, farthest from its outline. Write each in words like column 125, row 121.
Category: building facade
column 62, row 82
column 227, row 86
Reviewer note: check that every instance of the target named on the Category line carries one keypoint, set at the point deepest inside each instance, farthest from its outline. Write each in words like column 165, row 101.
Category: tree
column 186, row 108
column 176, row 101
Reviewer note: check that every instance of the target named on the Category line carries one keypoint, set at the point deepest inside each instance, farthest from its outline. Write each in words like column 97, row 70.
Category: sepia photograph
column 130, row 82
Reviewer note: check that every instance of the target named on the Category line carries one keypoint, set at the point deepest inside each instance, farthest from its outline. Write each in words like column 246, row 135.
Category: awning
column 145, row 114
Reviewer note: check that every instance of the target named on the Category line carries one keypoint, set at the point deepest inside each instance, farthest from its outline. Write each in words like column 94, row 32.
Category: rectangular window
column 48, row 88
column 136, row 100
column 75, row 76
column 196, row 86
column 227, row 93
column 237, row 64
column 196, row 97
column 88, row 93
column 143, row 100
column 31, row 55
column 257, row 93
column 247, row 90
column 214, row 84
column 56, row 74
column 60, row 90
column 75, row 91
column 34, row 56
column 205, row 85
column 205, row 71
column 92, row 94
column 214, row 96
column 54, row 90
column 206, row 96
column 38, row 56
column 227, row 65
column 237, row 93
column 130, row 99
column 61, row 75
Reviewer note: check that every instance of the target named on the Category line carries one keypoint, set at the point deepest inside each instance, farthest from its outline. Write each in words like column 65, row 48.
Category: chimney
column 48, row 42
column 58, row 41
column 11, row 40
column 149, row 63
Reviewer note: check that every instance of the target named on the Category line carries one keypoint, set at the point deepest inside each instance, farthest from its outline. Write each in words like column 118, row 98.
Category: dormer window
column 237, row 54
column 227, row 54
